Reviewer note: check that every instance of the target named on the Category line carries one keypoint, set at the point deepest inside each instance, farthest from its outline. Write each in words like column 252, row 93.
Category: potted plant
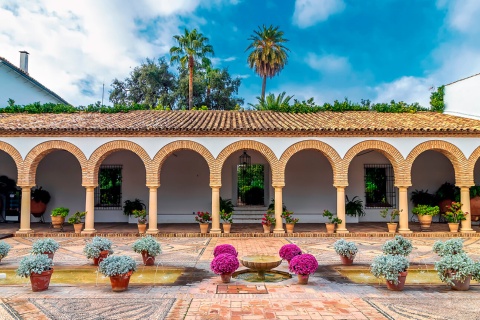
column 333, row 220
column 45, row 246
column 393, row 268
column 354, row 207
column 119, row 269
column 268, row 220
column 398, row 246
column 422, row 197
column 303, row 266
column 39, row 268
column 227, row 220
column 141, row 215
column 77, row 220
column 98, row 249
column 454, row 215
column 290, row 221
column 58, row 217
column 39, row 201
column 149, row 248
column 425, row 214
column 289, row 251
column 346, row 250
column 224, row 264
column 445, row 195
column 475, row 203
column 225, row 248
column 392, row 226
column 455, row 267
column 203, row 218
column 130, row 205
column 4, row 249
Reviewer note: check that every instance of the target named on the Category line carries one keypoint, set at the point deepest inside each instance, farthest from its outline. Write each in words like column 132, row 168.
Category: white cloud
column 462, row 14
column 309, row 12
column 408, row 89
column 327, row 63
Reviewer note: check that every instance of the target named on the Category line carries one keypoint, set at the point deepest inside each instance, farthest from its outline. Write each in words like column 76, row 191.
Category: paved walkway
column 197, row 297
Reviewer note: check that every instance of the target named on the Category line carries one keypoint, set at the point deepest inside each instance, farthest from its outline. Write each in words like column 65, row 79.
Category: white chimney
column 24, row 61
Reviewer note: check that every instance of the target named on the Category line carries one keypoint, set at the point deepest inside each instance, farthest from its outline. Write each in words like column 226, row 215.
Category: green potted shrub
column 392, row 225
column 149, row 248
column 398, row 246
column 46, row 246
column 141, row 215
column 58, row 217
column 119, row 269
column 77, row 220
column 454, row 215
column 354, row 207
column 422, row 197
column 39, row 201
column 332, row 221
column 227, row 220
column 130, row 205
column 393, row 268
column 425, row 214
column 4, row 249
column 39, row 268
column 290, row 221
column 346, row 250
column 98, row 249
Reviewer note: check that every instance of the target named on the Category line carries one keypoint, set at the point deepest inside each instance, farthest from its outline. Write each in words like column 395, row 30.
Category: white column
column 152, row 210
column 342, row 227
column 465, row 200
column 215, row 209
column 90, row 209
column 278, row 210
column 25, row 226
column 403, row 207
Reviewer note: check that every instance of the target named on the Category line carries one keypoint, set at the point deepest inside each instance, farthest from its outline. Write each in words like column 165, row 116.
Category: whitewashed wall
column 462, row 98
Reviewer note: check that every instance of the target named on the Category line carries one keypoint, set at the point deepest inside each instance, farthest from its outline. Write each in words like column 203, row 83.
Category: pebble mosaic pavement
column 202, row 297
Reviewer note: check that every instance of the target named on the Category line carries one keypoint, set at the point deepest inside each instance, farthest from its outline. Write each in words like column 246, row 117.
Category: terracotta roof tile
column 236, row 122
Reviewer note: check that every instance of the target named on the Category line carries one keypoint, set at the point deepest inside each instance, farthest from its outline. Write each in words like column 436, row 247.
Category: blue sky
column 378, row 50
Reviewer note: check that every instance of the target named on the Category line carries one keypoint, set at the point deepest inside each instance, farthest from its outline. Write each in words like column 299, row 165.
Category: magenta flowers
column 288, row 251
column 303, row 264
column 224, row 263
column 225, row 248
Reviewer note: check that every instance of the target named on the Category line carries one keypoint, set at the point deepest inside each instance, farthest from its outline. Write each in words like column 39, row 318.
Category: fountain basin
column 260, row 263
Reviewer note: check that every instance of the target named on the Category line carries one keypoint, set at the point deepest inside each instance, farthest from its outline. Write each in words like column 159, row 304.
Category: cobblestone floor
column 200, row 298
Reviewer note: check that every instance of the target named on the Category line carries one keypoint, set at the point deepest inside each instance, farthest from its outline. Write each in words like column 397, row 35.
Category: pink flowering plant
column 203, row 217
column 225, row 248
column 288, row 216
column 303, row 264
column 224, row 263
column 268, row 218
column 289, row 251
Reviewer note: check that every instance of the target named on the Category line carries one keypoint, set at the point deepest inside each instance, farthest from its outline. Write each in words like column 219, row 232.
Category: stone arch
column 33, row 158
column 102, row 152
column 389, row 151
column 330, row 153
column 168, row 149
column 452, row 152
column 12, row 152
column 252, row 145
column 472, row 161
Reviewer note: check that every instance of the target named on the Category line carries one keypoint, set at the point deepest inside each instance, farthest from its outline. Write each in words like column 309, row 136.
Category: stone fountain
column 260, row 263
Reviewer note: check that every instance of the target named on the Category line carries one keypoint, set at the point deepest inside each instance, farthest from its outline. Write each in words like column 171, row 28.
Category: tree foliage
column 437, row 102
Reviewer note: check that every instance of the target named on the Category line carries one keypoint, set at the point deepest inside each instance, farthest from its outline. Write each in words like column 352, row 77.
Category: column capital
column 341, row 186
column 461, row 186
column 403, row 185
column 25, row 186
column 89, row 186
column 153, row 186
column 278, row 185
column 215, row 185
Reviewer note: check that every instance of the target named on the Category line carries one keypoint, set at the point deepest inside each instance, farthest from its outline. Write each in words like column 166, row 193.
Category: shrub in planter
column 354, row 207
column 224, row 264
column 303, row 266
column 38, row 268
column 119, row 269
column 98, row 249
column 392, row 268
column 346, row 250
column 268, row 220
column 227, row 219
column 45, row 246
column 225, row 248
column 456, row 270
column 4, row 249
column 149, row 248
column 130, row 205
column 77, row 220
column 40, row 199
column 289, row 251
column 141, row 215
column 58, row 216
column 452, row 246
column 398, row 246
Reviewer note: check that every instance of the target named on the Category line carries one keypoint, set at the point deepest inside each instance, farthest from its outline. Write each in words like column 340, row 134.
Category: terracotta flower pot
column 330, row 227
column 290, row 227
column 392, row 227
column 402, row 277
column 57, row 222
column 226, row 277
column 103, row 255
column 120, row 282
column 37, row 208
column 453, row 227
column 204, row 227
column 226, row 227
column 266, row 228
column 461, row 286
column 78, row 227
column 148, row 260
column 142, row 227
column 475, row 208
column 303, row 278
column 425, row 222
column 346, row 261
column 40, row 282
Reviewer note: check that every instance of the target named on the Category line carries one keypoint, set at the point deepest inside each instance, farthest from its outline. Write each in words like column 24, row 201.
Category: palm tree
column 269, row 55
column 192, row 46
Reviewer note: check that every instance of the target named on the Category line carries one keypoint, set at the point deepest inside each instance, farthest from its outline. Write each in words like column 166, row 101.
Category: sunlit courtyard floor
column 199, row 294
